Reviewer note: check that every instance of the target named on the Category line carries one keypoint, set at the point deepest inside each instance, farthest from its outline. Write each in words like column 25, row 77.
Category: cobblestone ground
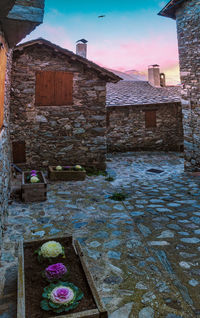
column 143, row 252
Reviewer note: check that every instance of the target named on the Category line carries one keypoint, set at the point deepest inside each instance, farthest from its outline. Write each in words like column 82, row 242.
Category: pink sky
column 123, row 54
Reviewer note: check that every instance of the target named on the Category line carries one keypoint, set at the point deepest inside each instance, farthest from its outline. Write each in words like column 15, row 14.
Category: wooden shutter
column 44, row 90
column 150, row 118
column 53, row 88
column 19, row 152
column 3, row 61
column 63, row 88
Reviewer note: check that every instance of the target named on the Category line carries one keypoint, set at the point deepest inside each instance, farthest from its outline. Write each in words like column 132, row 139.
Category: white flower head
column 34, row 179
column 51, row 249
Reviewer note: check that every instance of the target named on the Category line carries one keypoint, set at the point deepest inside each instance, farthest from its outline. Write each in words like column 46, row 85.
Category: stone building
column 17, row 19
column 58, row 113
column 187, row 15
column 143, row 117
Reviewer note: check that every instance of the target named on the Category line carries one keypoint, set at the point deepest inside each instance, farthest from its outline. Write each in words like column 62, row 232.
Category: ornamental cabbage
column 34, row 179
column 61, row 297
column 51, row 249
column 55, row 271
column 78, row 167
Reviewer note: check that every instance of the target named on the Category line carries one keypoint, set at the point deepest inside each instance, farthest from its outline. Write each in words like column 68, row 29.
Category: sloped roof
column 109, row 76
column 169, row 10
column 129, row 93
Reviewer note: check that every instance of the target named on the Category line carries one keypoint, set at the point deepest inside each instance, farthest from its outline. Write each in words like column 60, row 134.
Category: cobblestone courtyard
column 143, row 252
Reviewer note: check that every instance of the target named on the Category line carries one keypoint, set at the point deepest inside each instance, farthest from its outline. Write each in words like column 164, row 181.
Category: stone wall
column 5, row 146
column 53, row 135
column 188, row 19
column 126, row 128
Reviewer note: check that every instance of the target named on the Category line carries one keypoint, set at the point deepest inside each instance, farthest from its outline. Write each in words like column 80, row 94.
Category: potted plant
column 67, row 173
column 57, row 282
column 34, row 186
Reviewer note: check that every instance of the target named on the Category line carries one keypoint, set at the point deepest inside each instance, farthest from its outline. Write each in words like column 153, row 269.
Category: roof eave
column 169, row 11
column 17, row 20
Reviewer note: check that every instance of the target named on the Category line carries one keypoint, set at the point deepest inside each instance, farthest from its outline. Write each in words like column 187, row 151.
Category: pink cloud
column 135, row 55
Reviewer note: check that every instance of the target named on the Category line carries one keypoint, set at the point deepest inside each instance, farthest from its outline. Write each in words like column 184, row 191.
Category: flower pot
column 34, row 192
column 66, row 175
column 30, row 289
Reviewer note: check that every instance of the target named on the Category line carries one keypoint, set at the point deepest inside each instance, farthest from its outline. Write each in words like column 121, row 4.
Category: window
column 19, row 152
column 53, row 88
column 150, row 119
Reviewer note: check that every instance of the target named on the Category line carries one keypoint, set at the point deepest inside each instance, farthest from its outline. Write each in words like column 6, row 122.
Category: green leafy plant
column 110, row 179
column 94, row 172
column 118, row 196
column 61, row 297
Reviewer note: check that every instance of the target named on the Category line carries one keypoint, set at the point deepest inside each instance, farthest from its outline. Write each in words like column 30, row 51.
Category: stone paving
column 143, row 252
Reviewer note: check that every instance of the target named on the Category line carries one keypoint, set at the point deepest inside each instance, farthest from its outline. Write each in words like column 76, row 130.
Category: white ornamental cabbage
column 34, row 179
column 51, row 249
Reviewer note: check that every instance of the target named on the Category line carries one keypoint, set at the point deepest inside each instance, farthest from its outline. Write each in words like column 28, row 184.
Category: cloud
column 126, row 55
column 55, row 34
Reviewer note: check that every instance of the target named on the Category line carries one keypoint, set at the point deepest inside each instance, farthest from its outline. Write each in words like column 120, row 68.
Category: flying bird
column 102, row 16
column 82, row 40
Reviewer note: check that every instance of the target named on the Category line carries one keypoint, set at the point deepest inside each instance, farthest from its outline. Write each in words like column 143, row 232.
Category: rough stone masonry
column 4, row 142
column 188, row 27
column 58, row 135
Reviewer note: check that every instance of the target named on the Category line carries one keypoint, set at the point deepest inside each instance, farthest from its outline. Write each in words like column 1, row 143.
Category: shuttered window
column 150, row 119
column 53, row 88
column 19, row 152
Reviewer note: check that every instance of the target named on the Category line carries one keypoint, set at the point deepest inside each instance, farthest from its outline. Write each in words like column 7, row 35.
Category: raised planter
column 66, row 175
column 30, row 284
column 34, row 192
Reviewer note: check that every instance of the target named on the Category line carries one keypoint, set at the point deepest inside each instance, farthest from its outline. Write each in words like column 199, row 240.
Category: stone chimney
column 154, row 75
column 162, row 80
column 81, row 48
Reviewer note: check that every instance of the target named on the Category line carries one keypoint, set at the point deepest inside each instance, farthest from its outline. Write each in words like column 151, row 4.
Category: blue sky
column 131, row 36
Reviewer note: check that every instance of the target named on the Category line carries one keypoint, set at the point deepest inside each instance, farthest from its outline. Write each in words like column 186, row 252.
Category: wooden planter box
column 97, row 310
column 66, row 175
column 34, row 192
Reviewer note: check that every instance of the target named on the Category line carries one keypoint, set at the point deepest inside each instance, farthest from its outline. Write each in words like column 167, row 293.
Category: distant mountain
column 142, row 76
column 131, row 75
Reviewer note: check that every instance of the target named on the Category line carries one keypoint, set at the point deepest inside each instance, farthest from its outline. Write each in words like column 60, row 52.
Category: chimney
column 154, row 75
column 81, row 48
column 162, row 80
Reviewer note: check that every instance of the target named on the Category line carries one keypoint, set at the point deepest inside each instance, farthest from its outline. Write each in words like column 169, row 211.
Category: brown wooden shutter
column 19, row 152
column 44, row 90
column 53, row 88
column 150, row 118
column 63, row 88
column 3, row 61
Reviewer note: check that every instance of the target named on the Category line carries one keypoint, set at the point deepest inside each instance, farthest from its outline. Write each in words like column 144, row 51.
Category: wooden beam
column 5, row 7
column 25, row 13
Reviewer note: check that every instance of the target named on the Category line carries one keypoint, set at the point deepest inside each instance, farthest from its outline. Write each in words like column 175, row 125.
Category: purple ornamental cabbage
column 55, row 271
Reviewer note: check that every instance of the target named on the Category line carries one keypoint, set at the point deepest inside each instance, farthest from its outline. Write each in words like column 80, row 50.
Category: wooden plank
column 63, row 88
column 31, row 3
column 94, row 313
column 19, row 151
column 150, row 119
column 3, row 62
column 44, row 88
column 100, row 306
column 26, row 13
column 21, row 283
